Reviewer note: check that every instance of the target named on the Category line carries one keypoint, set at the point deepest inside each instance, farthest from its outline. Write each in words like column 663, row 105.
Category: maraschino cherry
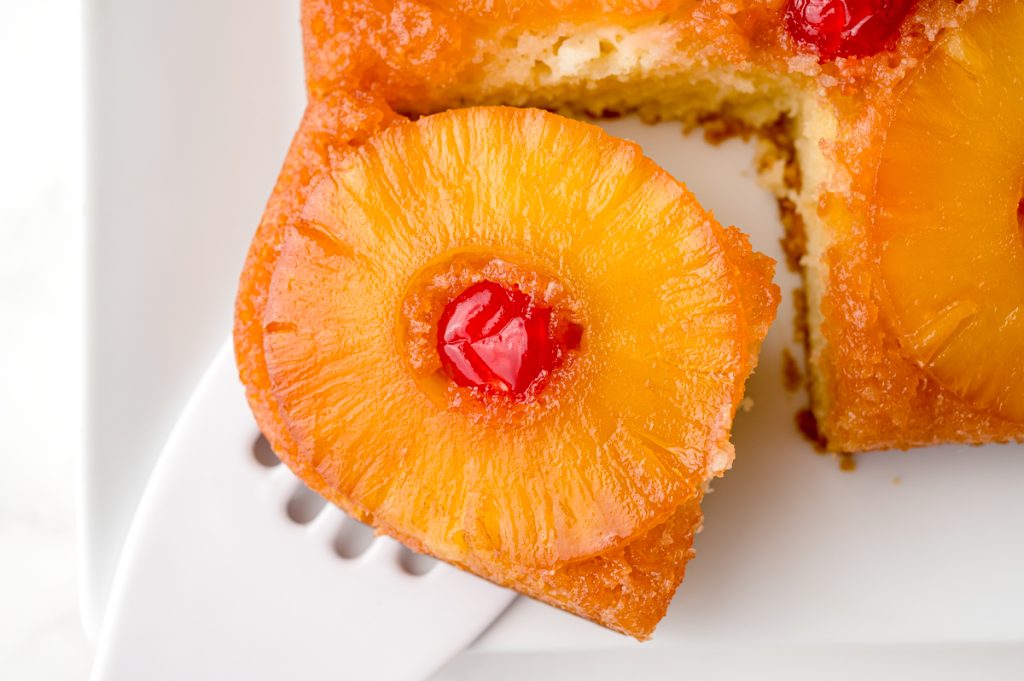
column 497, row 339
column 846, row 28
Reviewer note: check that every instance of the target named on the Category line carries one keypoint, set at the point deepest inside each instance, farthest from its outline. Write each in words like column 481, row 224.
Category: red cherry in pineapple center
column 846, row 28
column 497, row 339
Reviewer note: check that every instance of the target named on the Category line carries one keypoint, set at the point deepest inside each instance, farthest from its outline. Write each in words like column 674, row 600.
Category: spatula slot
column 263, row 454
column 304, row 505
column 352, row 539
column 415, row 564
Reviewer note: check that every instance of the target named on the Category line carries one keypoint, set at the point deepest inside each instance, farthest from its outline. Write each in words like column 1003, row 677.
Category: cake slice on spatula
column 512, row 342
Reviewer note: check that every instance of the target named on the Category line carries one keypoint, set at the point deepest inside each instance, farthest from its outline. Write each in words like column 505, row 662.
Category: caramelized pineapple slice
column 949, row 212
column 428, row 255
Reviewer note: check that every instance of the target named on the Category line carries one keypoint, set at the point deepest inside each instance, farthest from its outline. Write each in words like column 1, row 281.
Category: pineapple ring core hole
column 438, row 284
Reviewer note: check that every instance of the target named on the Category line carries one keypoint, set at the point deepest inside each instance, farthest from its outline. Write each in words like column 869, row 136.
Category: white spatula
column 229, row 572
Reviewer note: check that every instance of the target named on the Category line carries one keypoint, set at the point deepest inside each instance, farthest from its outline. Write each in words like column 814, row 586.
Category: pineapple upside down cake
column 512, row 342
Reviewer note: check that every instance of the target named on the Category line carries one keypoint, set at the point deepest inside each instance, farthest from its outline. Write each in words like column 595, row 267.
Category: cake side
column 874, row 390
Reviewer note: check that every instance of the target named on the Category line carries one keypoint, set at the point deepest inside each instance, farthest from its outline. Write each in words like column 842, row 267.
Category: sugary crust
column 877, row 397
column 751, row 271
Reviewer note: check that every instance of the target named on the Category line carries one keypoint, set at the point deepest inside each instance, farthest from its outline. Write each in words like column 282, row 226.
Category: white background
column 41, row 349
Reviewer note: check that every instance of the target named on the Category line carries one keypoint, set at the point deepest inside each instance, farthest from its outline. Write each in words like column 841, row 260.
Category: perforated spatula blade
column 229, row 571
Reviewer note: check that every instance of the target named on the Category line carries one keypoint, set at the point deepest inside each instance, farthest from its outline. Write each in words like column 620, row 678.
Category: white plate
column 192, row 106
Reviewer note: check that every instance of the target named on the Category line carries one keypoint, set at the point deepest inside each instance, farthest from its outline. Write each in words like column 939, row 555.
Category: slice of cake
column 507, row 340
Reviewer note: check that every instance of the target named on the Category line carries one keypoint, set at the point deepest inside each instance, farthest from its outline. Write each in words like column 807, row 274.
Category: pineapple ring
column 597, row 458
column 953, row 269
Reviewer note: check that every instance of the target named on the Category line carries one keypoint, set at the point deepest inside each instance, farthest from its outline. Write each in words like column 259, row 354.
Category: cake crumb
column 800, row 312
column 847, row 464
column 792, row 376
column 794, row 236
column 718, row 128
column 808, row 427
column 897, row 480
